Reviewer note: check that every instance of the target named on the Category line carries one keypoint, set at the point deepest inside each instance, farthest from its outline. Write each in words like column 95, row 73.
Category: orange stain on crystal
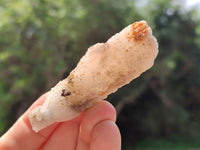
column 139, row 31
column 102, row 93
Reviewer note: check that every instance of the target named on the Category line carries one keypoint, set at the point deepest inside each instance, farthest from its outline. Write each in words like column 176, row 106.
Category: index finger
column 21, row 136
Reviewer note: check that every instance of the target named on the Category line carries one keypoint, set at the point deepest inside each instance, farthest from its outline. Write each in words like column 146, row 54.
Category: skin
column 94, row 129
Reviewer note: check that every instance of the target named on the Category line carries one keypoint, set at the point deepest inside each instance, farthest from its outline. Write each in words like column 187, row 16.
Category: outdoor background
column 41, row 41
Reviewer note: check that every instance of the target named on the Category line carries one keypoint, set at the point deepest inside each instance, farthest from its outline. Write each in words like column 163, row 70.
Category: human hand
column 94, row 129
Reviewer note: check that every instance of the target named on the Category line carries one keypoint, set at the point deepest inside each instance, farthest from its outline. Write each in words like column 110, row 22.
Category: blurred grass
column 163, row 144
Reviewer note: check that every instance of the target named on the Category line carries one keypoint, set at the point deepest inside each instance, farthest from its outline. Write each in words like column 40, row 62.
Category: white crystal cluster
column 101, row 71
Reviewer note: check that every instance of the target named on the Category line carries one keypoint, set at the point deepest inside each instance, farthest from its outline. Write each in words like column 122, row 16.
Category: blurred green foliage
column 41, row 41
column 161, row 144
